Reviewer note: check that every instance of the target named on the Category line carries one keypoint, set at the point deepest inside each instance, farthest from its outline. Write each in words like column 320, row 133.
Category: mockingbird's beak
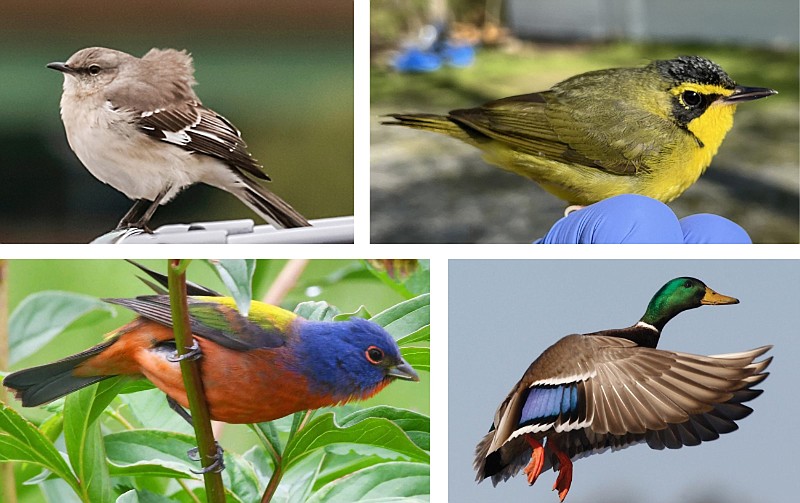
column 61, row 67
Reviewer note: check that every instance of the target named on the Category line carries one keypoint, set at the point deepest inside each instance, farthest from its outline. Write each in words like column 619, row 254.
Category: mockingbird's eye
column 94, row 69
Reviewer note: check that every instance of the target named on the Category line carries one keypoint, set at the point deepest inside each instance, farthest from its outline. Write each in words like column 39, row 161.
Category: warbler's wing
column 519, row 121
column 575, row 123
column 216, row 319
column 201, row 130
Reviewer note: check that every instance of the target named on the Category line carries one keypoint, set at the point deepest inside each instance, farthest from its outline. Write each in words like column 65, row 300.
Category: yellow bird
column 649, row 130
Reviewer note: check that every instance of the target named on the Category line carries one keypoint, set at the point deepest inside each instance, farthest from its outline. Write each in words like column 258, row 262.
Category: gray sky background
column 504, row 313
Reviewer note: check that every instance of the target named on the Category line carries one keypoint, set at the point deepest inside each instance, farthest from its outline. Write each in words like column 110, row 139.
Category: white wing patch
column 178, row 137
column 551, row 381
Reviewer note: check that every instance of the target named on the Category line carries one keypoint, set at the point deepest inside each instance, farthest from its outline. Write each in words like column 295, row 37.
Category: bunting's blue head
column 351, row 359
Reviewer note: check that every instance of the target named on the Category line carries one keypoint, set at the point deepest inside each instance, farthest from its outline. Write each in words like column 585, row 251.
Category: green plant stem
column 277, row 474
column 121, row 420
column 272, row 449
column 215, row 490
column 188, row 490
column 8, row 488
column 274, row 480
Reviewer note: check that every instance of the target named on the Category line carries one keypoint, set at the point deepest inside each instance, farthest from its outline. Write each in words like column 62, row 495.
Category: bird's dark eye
column 374, row 354
column 691, row 98
column 94, row 69
column 688, row 284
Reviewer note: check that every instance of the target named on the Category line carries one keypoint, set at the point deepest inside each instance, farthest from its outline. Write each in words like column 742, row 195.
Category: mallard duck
column 588, row 393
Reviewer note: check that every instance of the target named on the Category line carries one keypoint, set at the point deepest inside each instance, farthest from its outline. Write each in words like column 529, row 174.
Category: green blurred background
column 427, row 188
column 281, row 70
column 342, row 283
column 337, row 282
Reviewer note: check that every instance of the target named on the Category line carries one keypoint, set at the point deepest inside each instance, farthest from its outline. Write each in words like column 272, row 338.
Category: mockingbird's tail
column 272, row 208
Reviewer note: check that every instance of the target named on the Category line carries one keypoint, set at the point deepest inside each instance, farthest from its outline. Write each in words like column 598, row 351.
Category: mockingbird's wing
column 196, row 128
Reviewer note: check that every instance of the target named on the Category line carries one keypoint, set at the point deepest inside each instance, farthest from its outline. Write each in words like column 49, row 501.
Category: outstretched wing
column 609, row 393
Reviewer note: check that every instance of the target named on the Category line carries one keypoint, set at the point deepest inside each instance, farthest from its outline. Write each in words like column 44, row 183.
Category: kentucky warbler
column 649, row 130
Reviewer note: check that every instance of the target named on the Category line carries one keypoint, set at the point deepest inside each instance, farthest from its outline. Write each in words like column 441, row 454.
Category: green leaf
column 316, row 311
column 420, row 281
column 151, row 410
column 395, row 481
column 369, row 437
column 241, row 478
column 22, row 441
column 268, row 433
column 417, row 426
column 237, row 274
column 150, row 452
column 85, row 443
column 55, row 491
column 258, row 459
column 421, row 335
column 43, row 315
column 128, row 497
column 406, row 277
column 419, row 358
column 361, row 312
column 298, row 482
column 105, row 393
column 406, row 317
column 142, row 496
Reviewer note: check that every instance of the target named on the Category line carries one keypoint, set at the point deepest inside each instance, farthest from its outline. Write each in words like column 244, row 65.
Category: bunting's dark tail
column 45, row 383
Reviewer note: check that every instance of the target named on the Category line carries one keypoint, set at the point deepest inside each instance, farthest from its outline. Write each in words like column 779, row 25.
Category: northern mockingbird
column 137, row 125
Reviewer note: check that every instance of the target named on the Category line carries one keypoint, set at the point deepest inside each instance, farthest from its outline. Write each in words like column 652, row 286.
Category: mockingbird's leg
column 132, row 214
column 148, row 214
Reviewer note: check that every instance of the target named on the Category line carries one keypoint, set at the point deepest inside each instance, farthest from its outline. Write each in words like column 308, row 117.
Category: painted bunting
column 256, row 368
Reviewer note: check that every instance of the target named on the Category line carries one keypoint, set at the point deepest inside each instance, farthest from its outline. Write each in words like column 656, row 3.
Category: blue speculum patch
column 545, row 403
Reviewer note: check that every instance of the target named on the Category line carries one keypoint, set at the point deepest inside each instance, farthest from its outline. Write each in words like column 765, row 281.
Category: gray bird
column 137, row 125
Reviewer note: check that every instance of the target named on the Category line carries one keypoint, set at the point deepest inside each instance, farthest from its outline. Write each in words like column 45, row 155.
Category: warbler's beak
column 712, row 298
column 742, row 93
column 61, row 67
column 403, row 371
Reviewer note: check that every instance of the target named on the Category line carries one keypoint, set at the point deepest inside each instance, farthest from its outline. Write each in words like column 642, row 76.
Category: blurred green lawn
column 529, row 68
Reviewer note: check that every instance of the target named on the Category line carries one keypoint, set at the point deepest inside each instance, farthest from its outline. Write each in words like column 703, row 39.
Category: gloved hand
column 631, row 218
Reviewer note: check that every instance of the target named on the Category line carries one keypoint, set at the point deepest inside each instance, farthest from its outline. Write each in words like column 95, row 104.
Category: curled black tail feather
column 45, row 383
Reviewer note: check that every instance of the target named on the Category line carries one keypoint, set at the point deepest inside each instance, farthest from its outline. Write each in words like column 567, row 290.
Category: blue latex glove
column 631, row 218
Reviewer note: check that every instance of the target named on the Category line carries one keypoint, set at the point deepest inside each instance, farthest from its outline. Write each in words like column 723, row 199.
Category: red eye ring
column 374, row 355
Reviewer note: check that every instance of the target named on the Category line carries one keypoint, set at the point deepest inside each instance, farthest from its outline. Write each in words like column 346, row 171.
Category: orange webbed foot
column 534, row 467
column 564, row 480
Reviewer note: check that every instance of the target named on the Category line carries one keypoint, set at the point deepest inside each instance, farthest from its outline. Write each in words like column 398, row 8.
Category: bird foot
column 564, row 479
column 192, row 353
column 134, row 226
column 534, row 467
column 571, row 208
column 217, row 466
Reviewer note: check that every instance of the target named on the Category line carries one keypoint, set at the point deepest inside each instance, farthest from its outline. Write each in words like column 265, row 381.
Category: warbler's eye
column 691, row 98
column 94, row 69
column 374, row 354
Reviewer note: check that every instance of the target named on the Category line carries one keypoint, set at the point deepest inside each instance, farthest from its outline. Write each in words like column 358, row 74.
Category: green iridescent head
column 677, row 296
